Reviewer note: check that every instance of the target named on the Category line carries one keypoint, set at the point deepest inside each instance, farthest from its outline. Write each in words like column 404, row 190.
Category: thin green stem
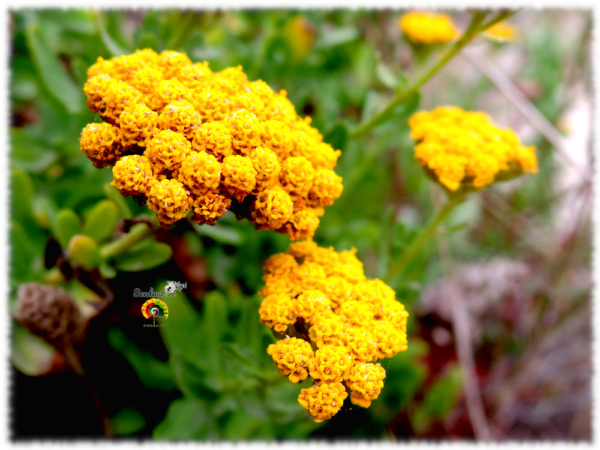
column 400, row 265
column 138, row 233
column 475, row 27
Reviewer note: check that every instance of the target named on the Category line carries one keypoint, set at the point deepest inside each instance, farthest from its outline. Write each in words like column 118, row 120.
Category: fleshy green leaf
column 85, row 251
column 52, row 73
column 21, row 198
column 220, row 233
column 101, row 221
column 144, row 256
column 30, row 354
column 127, row 421
column 25, row 257
column 67, row 225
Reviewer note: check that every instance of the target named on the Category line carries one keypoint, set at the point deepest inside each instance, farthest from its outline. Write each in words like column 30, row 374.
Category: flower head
column 330, row 363
column 323, row 400
column 365, row 382
column 169, row 106
column 428, row 28
column 460, row 148
column 291, row 356
column 170, row 200
column 277, row 311
column 349, row 320
column 209, row 207
column 132, row 175
column 200, row 172
column 102, row 143
column 502, row 32
column 166, row 151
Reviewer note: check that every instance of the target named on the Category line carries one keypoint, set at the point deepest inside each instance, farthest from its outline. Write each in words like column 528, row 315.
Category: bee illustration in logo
column 171, row 287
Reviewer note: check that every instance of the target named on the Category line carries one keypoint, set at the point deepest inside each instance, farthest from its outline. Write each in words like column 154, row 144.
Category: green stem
column 416, row 245
column 475, row 27
column 138, row 233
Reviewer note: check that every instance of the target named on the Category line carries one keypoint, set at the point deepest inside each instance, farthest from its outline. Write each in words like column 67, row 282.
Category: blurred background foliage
column 206, row 374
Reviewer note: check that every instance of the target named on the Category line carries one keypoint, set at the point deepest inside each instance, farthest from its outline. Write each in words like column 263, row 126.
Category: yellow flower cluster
column 220, row 140
column 323, row 299
column 466, row 148
column 502, row 32
column 428, row 28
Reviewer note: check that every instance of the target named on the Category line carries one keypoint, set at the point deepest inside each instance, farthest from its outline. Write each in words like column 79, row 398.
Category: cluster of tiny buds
column 462, row 148
column 183, row 140
column 427, row 28
column 340, row 321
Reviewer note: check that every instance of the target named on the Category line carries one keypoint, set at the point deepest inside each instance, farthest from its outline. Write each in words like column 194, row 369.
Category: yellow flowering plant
column 296, row 327
column 187, row 141
column 341, row 323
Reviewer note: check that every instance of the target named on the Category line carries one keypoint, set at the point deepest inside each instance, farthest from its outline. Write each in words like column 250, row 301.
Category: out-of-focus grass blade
column 111, row 44
column 52, row 73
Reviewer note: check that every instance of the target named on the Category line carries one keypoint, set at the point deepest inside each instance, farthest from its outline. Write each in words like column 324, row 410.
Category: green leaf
column 28, row 153
column 25, row 255
column 372, row 102
column 74, row 20
column 236, row 355
column 220, row 233
column 85, row 251
column 406, row 109
column 149, row 40
column 107, row 271
column 127, row 421
column 187, row 418
column 214, row 325
column 337, row 137
column 114, row 194
column 443, row 395
column 385, row 76
column 153, row 373
column 282, row 399
column 248, row 330
column 183, row 332
column 45, row 211
column 101, row 221
column 111, row 44
column 30, row 354
column 193, row 379
column 50, row 70
column 241, row 425
column 337, row 37
column 21, row 198
column 67, row 225
column 144, row 256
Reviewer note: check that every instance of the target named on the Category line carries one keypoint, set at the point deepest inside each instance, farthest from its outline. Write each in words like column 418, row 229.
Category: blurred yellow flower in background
column 428, row 28
column 502, row 32
column 458, row 147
